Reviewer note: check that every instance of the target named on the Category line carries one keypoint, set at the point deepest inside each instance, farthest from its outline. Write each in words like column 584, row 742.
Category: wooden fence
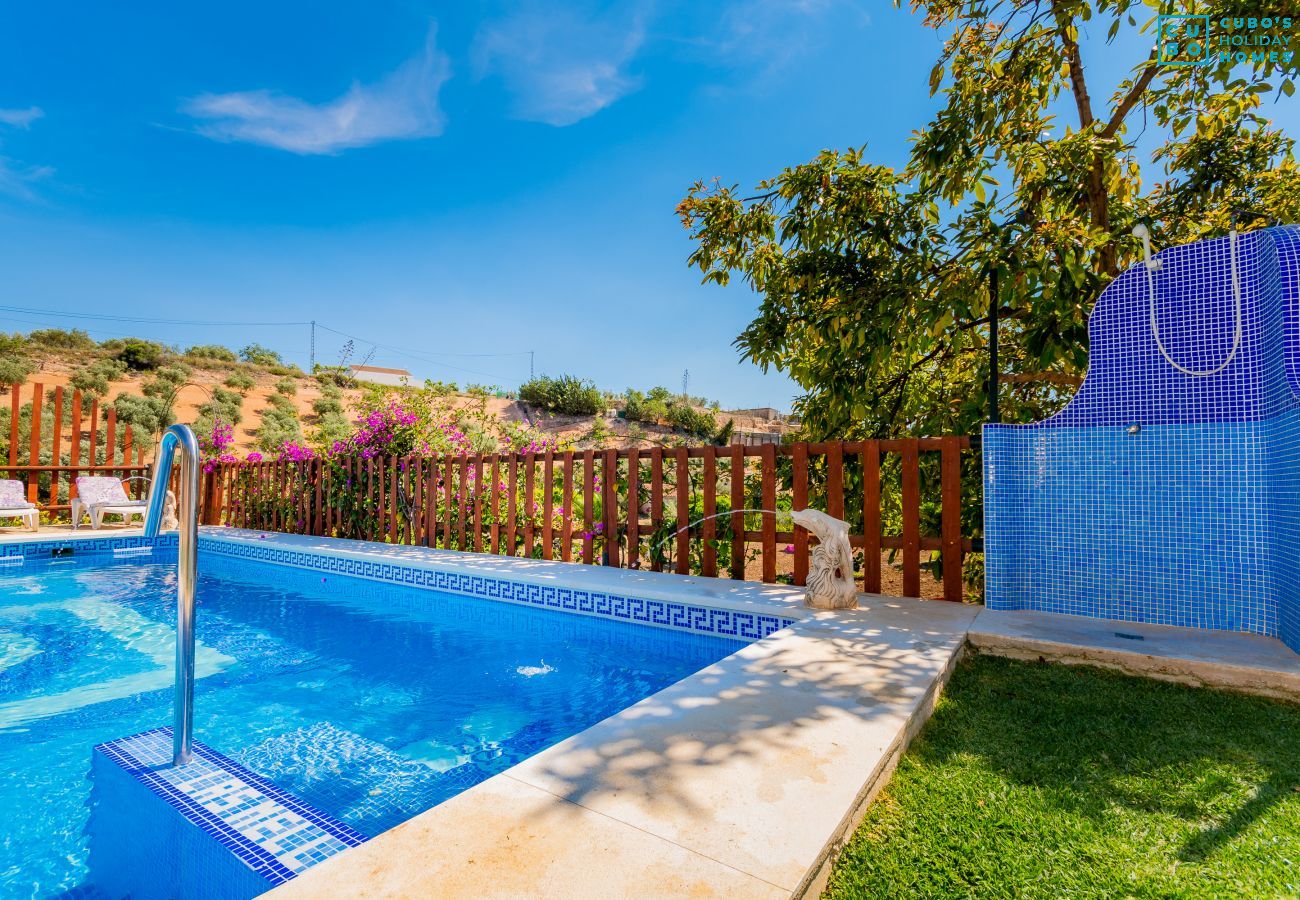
column 635, row 508
column 52, row 486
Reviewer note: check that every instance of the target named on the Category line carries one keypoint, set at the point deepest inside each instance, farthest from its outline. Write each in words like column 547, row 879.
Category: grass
column 1037, row 780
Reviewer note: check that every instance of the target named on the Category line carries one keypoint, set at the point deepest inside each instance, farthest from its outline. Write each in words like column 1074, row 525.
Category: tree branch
column 1131, row 98
column 1079, row 86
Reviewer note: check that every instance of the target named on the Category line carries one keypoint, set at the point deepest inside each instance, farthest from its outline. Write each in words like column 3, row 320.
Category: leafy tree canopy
column 874, row 283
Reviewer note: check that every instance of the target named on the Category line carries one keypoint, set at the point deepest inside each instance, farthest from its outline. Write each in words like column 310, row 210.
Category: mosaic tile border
column 746, row 626
column 79, row 546
column 261, row 859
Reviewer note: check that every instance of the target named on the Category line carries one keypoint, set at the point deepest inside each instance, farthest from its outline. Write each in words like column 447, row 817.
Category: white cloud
column 16, row 178
column 402, row 106
column 777, row 33
column 561, row 67
column 21, row 118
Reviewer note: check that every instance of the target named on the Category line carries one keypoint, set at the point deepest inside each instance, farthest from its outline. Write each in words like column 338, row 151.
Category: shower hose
column 1236, row 298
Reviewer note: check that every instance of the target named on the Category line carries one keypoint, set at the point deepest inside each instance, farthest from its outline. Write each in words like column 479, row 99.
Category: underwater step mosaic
column 1168, row 489
column 683, row 616
column 211, row 812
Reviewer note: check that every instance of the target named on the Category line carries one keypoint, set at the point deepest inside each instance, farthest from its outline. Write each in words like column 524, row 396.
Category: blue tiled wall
column 1195, row 519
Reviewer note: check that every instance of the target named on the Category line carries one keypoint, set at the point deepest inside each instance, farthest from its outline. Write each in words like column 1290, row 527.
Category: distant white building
column 380, row 375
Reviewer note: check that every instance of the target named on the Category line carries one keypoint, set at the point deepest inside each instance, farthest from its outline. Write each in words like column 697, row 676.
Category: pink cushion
column 13, row 495
column 101, row 490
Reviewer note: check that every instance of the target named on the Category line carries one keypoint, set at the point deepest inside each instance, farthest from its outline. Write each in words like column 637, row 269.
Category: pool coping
column 742, row 779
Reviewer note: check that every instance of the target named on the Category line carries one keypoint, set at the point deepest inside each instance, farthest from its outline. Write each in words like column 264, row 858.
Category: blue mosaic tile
column 1193, row 518
column 272, row 832
column 660, row 613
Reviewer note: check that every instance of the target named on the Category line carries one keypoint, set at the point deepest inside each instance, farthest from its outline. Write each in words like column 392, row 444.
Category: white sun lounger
column 15, row 505
column 103, row 495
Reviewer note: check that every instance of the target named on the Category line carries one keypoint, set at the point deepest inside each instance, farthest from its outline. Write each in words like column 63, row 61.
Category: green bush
column 94, row 378
column 145, row 415
column 282, row 403
column 659, row 406
column 138, row 355
column 58, row 339
column 566, row 394
column 286, row 386
column 279, row 424
column 240, row 381
column 15, row 364
column 261, row 356
column 212, row 353
column 225, row 406
column 327, row 405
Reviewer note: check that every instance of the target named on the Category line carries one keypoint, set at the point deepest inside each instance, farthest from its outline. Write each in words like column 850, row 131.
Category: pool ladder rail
column 181, row 436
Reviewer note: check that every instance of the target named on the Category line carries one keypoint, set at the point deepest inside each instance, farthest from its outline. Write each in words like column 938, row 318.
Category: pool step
column 210, row 828
column 360, row 781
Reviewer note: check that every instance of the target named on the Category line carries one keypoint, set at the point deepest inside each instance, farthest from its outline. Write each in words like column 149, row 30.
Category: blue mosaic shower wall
column 1194, row 517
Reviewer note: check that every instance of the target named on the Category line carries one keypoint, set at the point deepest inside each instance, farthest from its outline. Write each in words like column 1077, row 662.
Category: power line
column 139, row 320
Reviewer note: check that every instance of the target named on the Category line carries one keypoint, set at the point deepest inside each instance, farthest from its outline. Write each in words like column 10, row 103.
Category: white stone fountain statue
column 830, row 568
column 169, row 520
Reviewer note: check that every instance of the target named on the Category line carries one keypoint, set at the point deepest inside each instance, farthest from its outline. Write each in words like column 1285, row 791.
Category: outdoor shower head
column 1142, row 233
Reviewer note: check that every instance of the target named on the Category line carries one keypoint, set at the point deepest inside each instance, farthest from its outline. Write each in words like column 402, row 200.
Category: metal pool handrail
column 187, row 571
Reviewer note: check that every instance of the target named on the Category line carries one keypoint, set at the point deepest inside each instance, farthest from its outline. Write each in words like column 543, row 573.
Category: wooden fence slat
column 871, row 517
column 769, row 518
column 656, row 504
column 566, row 498
column 709, row 554
column 478, row 503
column 548, row 504
column 512, row 488
column 610, row 507
column 737, row 518
column 110, row 436
column 431, row 503
column 56, row 447
column 74, row 450
column 588, row 489
column 530, row 508
column 93, row 452
column 798, row 501
column 633, row 509
column 911, row 499
column 835, row 479
column 33, row 480
column 682, row 488
column 496, row 503
column 394, row 500
column 448, row 476
column 950, row 524
column 462, row 501
column 15, row 405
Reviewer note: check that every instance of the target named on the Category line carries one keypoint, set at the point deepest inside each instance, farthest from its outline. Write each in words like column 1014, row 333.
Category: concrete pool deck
column 745, row 778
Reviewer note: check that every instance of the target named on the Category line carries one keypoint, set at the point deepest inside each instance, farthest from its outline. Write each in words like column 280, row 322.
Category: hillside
column 264, row 383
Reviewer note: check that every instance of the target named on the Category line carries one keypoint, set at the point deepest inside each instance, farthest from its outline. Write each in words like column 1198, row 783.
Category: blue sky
column 447, row 179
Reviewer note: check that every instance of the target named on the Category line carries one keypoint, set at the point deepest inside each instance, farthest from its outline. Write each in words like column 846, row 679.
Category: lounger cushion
column 13, row 495
column 103, row 490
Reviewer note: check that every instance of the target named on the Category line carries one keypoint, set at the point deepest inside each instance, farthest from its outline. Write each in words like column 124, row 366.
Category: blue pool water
column 369, row 701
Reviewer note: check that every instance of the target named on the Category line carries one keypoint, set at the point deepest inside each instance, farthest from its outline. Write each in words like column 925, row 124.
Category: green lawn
column 1037, row 780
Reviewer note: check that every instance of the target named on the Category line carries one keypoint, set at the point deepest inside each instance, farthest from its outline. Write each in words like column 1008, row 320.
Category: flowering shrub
column 214, row 445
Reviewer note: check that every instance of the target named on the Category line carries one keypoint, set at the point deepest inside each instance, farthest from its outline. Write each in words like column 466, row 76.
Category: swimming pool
column 369, row 700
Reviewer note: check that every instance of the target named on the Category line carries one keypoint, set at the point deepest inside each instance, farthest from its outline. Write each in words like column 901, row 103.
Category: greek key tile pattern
column 665, row 614
column 80, row 547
